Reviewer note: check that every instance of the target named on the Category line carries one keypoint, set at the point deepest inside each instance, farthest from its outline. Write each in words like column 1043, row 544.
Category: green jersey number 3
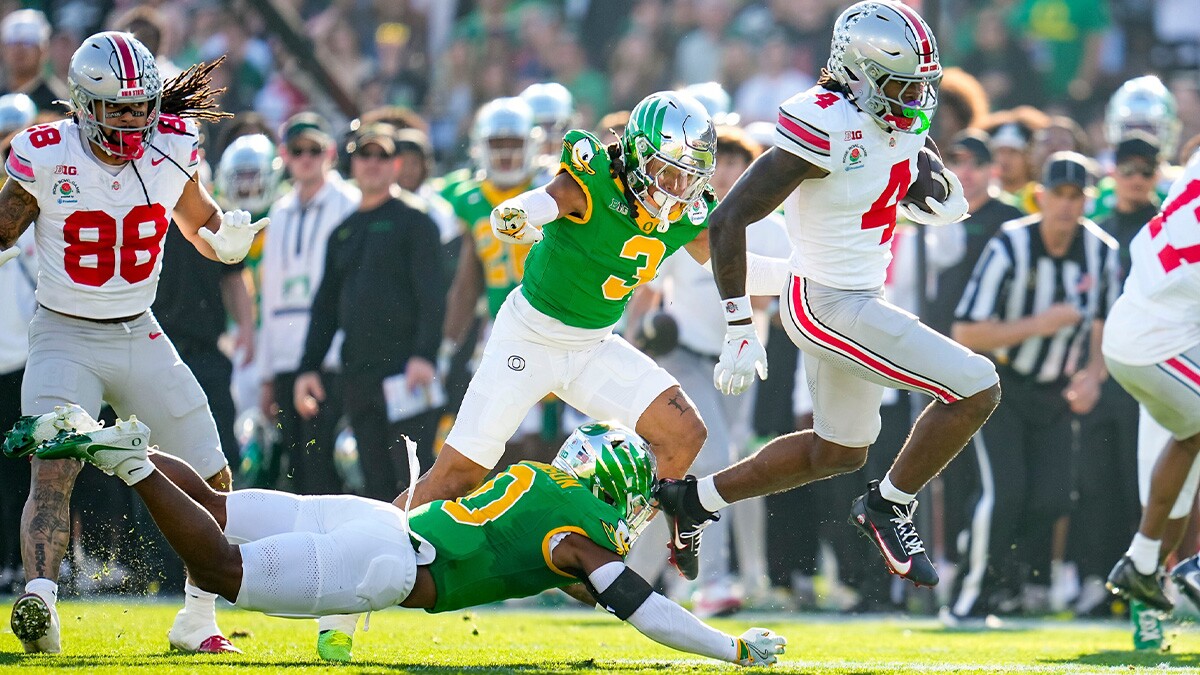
column 636, row 248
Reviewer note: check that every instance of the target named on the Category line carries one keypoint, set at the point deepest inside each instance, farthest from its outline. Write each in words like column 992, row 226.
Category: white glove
column 512, row 225
column 232, row 242
column 741, row 356
column 759, row 647
column 9, row 253
column 952, row 210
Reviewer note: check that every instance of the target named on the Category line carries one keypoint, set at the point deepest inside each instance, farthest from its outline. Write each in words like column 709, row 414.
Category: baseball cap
column 1010, row 135
column 971, row 142
column 379, row 133
column 1137, row 144
column 414, row 140
column 25, row 26
column 306, row 125
column 1067, row 168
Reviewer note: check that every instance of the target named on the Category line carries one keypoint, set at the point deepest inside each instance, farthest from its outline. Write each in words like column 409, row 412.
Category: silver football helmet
column 553, row 110
column 112, row 69
column 878, row 43
column 17, row 111
column 715, row 100
column 248, row 174
column 1143, row 104
column 670, row 149
column 506, row 119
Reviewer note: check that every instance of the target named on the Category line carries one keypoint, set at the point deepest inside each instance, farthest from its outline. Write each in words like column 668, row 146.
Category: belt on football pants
column 120, row 319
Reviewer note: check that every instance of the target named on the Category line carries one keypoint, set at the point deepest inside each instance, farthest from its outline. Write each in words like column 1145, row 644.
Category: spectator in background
column 1108, row 509
column 1036, row 299
column 698, row 54
column 962, row 104
column 758, row 99
column 1065, row 38
column 382, row 286
column 635, row 68
column 292, row 264
column 588, row 87
column 1001, row 63
column 24, row 39
column 1012, row 133
column 1061, row 134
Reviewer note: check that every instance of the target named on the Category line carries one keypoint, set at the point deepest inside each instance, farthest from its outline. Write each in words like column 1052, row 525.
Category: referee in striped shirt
column 1035, row 304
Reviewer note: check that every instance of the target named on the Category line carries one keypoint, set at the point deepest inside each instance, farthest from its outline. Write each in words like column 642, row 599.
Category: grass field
column 107, row 637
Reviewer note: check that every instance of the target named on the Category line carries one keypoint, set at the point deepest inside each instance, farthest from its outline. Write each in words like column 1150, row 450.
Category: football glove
column 742, row 355
column 512, row 225
column 9, row 253
column 232, row 241
column 952, row 210
column 759, row 647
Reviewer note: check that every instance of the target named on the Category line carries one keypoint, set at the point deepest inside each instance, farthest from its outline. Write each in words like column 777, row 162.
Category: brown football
column 929, row 181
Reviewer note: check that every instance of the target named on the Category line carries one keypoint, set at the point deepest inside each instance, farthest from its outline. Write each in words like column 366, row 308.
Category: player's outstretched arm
column 222, row 236
column 18, row 210
column 519, row 220
column 622, row 592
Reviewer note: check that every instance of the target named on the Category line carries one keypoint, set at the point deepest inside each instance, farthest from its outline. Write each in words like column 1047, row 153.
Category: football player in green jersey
column 598, row 230
column 533, row 527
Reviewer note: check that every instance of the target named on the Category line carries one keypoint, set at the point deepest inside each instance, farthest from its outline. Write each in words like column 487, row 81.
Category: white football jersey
column 841, row 225
column 1158, row 316
column 99, row 236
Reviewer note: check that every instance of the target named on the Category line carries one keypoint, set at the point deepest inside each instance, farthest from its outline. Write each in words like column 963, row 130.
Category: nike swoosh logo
column 677, row 541
column 742, row 347
column 160, row 160
column 899, row 567
column 154, row 335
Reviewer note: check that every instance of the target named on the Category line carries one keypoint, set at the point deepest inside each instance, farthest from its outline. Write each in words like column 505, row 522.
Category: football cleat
column 680, row 500
column 894, row 534
column 121, row 449
column 35, row 623
column 334, row 645
column 1124, row 580
column 31, row 431
column 1186, row 576
column 198, row 635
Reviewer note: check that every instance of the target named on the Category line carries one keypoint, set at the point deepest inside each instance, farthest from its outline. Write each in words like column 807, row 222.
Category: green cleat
column 120, row 449
column 334, row 645
column 31, row 431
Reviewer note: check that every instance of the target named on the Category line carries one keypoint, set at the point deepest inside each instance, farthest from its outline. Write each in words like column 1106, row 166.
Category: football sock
column 1143, row 551
column 198, row 603
column 893, row 494
column 710, row 499
column 44, row 588
column 346, row 623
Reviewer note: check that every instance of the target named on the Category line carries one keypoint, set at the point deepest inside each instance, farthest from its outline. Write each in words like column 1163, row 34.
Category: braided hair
column 828, row 82
column 189, row 94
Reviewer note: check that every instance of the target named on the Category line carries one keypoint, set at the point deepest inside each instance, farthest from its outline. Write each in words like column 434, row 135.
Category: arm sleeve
column 801, row 133
column 765, row 275
column 323, row 323
column 669, row 624
column 427, row 282
column 983, row 293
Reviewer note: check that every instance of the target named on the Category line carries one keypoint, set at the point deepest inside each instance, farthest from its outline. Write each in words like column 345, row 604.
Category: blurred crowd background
column 1032, row 76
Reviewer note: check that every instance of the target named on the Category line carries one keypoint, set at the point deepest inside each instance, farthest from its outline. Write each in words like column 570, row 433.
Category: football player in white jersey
column 844, row 158
column 100, row 189
column 1152, row 347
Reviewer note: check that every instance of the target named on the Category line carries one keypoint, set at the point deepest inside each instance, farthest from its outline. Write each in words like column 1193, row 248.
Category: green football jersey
column 585, row 269
column 446, row 185
column 503, row 263
column 494, row 544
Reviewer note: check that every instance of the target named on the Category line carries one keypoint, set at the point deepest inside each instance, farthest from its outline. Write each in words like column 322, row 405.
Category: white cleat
column 35, row 623
column 120, row 449
column 198, row 635
column 31, row 431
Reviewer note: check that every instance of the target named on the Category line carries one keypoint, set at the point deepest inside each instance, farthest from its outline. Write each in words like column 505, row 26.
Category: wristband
column 737, row 309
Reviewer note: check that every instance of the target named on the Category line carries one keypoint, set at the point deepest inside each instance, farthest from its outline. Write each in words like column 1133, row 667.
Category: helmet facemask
column 504, row 128
column 616, row 465
column 109, row 72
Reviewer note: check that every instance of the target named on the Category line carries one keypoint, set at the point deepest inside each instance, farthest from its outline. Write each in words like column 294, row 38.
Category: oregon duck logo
column 581, row 156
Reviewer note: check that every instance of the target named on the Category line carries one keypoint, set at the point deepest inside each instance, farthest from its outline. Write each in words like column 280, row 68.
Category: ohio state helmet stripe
column 129, row 73
column 918, row 26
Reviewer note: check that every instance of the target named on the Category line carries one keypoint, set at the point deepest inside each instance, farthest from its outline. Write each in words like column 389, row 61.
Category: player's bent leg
column 672, row 426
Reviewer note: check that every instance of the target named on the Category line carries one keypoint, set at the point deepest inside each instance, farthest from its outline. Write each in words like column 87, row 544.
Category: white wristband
column 539, row 207
column 737, row 309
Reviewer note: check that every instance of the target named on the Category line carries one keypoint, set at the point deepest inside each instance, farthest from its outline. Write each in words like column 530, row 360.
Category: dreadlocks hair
column 189, row 94
column 829, row 83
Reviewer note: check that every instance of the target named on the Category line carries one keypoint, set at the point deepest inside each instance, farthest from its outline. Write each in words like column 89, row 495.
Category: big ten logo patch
column 65, row 170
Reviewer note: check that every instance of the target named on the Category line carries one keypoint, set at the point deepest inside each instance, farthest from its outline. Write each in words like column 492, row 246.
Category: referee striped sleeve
column 981, row 297
column 802, row 139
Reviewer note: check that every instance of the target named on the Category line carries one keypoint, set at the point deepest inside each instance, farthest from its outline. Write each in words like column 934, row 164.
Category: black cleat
column 1126, row 581
column 680, row 500
column 1187, row 577
column 890, row 528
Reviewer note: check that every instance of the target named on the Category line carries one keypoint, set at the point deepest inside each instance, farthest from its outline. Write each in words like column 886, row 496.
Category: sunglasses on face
column 1127, row 170
column 301, row 150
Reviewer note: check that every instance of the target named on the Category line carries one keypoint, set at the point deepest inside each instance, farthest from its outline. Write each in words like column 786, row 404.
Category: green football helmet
column 616, row 465
column 670, row 149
